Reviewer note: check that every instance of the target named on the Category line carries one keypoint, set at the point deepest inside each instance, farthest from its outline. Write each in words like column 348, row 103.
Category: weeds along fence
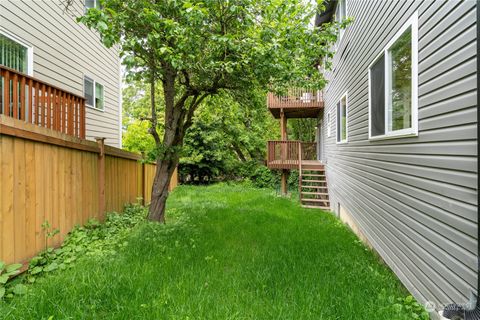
column 50, row 176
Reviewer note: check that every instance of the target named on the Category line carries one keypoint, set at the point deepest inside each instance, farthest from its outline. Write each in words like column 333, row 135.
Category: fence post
column 101, row 176
column 143, row 179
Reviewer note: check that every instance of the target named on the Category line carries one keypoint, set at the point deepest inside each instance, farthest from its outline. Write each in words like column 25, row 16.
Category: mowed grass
column 227, row 252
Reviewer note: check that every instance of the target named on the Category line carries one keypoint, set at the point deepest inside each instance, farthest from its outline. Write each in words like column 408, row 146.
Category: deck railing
column 26, row 98
column 309, row 150
column 285, row 154
column 296, row 98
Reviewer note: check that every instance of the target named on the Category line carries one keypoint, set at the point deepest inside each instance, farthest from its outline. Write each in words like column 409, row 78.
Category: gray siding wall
column 414, row 198
column 63, row 52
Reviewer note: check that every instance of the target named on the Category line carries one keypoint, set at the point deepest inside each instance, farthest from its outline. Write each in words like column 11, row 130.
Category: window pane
column 343, row 103
column 13, row 55
column 400, row 108
column 377, row 99
column 88, row 88
column 89, row 4
column 343, row 8
column 338, row 123
column 98, row 96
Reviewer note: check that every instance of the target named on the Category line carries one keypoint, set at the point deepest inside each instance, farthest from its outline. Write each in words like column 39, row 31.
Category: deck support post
column 284, row 137
column 284, row 182
column 283, row 126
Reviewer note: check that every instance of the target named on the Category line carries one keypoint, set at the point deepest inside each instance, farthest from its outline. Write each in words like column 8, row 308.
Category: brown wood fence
column 50, row 176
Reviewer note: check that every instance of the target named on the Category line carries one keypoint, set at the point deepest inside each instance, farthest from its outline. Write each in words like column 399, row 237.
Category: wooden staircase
column 313, row 186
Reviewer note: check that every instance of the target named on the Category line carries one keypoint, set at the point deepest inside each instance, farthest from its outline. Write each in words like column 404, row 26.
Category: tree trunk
column 161, row 183
column 239, row 152
column 178, row 118
column 168, row 157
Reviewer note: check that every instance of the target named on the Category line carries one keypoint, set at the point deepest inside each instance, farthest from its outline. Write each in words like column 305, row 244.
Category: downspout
column 455, row 311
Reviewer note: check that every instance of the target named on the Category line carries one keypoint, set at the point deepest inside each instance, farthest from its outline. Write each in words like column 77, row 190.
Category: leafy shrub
column 411, row 307
column 6, row 272
column 258, row 175
column 93, row 239
column 404, row 307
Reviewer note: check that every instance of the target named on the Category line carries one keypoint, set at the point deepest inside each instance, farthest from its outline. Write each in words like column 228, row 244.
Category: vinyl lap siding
column 414, row 198
column 64, row 51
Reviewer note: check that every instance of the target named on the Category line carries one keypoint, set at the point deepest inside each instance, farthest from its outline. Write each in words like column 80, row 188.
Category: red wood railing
column 34, row 101
column 296, row 98
column 287, row 154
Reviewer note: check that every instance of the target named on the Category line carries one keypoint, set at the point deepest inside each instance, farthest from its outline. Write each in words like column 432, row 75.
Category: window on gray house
column 99, row 104
column 400, row 95
column 340, row 15
column 88, row 92
column 13, row 55
column 89, row 4
column 377, row 96
column 393, row 85
column 94, row 94
column 342, row 120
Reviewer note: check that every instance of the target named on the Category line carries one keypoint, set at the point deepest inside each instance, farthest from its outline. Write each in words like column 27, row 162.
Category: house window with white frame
column 15, row 55
column 89, row 4
column 393, row 86
column 340, row 15
column 342, row 119
column 94, row 94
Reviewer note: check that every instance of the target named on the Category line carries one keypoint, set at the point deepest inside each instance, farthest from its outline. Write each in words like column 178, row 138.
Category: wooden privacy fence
column 50, row 176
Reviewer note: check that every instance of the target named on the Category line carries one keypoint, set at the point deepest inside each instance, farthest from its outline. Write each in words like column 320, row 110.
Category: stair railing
column 300, row 170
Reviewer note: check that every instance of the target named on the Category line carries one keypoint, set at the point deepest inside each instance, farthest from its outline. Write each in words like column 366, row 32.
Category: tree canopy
column 198, row 49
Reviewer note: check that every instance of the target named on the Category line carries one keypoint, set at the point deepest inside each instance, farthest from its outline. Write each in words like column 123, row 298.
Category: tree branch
column 153, row 120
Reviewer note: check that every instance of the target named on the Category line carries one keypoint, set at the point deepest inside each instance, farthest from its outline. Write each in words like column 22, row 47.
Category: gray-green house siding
column 414, row 198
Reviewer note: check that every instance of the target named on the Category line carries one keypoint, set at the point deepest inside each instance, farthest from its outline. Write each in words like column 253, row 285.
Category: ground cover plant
column 227, row 252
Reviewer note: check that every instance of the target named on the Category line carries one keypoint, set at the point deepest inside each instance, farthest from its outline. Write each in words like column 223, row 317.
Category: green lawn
column 227, row 252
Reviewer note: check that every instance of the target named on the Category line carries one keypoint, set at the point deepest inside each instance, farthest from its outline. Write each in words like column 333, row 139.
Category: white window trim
column 408, row 132
column 22, row 43
column 346, row 120
column 94, row 94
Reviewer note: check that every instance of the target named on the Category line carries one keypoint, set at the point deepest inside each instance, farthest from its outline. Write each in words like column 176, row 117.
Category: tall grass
column 227, row 252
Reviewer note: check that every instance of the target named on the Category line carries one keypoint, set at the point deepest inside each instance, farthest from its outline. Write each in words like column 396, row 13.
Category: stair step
column 303, row 180
column 315, row 187
column 315, row 200
column 315, row 193
column 315, row 207
column 312, row 175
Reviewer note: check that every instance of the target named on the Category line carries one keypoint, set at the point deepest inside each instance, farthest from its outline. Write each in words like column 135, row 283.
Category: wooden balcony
column 31, row 100
column 298, row 103
column 286, row 154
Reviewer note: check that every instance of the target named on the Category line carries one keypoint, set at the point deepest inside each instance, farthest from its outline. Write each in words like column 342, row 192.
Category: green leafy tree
column 135, row 119
column 197, row 49
column 219, row 144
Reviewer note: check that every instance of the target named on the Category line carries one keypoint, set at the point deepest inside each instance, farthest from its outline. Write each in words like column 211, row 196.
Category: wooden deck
column 286, row 154
column 293, row 164
column 297, row 103
column 31, row 100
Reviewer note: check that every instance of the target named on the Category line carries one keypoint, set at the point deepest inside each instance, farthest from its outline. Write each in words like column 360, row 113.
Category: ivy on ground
column 92, row 239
